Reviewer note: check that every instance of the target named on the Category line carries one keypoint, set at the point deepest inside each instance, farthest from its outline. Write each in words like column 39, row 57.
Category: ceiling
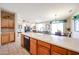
column 39, row 12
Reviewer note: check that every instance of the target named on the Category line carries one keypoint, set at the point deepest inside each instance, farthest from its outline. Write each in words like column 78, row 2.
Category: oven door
column 27, row 43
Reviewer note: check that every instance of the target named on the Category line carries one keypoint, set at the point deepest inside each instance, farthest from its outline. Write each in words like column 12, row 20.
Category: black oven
column 27, row 42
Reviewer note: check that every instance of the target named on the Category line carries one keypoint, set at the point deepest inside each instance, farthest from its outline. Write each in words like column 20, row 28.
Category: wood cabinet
column 7, row 23
column 7, row 26
column 12, row 36
column 7, row 15
column 43, row 48
column 7, row 19
column 22, row 40
column 11, row 23
column 43, row 44
column 72, row 53
column 38, row 47
column 4, row 38
column 7, row 37
column 55, row 53
column 33, row 46
column 58, row 50
column 4, row 23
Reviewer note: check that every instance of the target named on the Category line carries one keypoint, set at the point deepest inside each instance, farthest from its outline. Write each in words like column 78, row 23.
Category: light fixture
column 70, row 10
column 23, row 21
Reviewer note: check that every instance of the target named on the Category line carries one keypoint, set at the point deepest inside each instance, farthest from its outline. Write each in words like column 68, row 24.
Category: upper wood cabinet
column 7, row 19
column 7, row 15
column 33, row 46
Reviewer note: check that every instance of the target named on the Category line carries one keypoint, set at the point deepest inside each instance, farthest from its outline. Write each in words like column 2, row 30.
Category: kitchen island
column 44, row 44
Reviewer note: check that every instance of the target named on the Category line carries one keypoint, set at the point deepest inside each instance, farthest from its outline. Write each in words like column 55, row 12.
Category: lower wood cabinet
column 58, row 50
column 72, row 53
column 7, row 37
column 38, row 47
column 12, row 36
column 55, row 53
column 33, row 46
column 11, row 24
column 43, row 50
column 44, row 44
column 4, row 38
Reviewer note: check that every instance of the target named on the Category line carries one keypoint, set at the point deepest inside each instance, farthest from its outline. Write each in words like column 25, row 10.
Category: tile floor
column 13, row 48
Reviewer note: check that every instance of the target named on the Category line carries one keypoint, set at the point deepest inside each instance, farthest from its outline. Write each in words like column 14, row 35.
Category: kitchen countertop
column 65, row 42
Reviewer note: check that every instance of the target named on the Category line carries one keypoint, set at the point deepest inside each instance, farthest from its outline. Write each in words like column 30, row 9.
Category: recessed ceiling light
column 23, row 20
column 70, row 10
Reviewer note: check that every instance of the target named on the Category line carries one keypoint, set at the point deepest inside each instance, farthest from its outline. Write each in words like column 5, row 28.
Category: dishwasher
column 27, row 43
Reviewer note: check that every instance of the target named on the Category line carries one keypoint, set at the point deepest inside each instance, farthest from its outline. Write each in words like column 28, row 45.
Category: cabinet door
column 4, row 23
column 33, row 46
column 43, row 50
column 4, row 38
column 58, row 50
column 54, row 53
column 12, row 36
column 22, row 40
column 11, row 23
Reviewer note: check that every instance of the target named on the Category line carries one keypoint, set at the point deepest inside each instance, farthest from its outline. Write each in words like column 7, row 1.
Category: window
column 57, row 26
column 76, row 23
column 40, row 27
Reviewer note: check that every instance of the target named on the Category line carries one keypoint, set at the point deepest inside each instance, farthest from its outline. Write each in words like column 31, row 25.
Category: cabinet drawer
column 43, row 50
column 59, row 50
column 44, row 44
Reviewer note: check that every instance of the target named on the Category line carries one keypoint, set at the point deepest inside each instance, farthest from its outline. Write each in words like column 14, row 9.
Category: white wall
column 70, row 24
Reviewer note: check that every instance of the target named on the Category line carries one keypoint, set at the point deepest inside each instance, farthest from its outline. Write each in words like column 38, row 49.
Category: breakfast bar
column 45, row 44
